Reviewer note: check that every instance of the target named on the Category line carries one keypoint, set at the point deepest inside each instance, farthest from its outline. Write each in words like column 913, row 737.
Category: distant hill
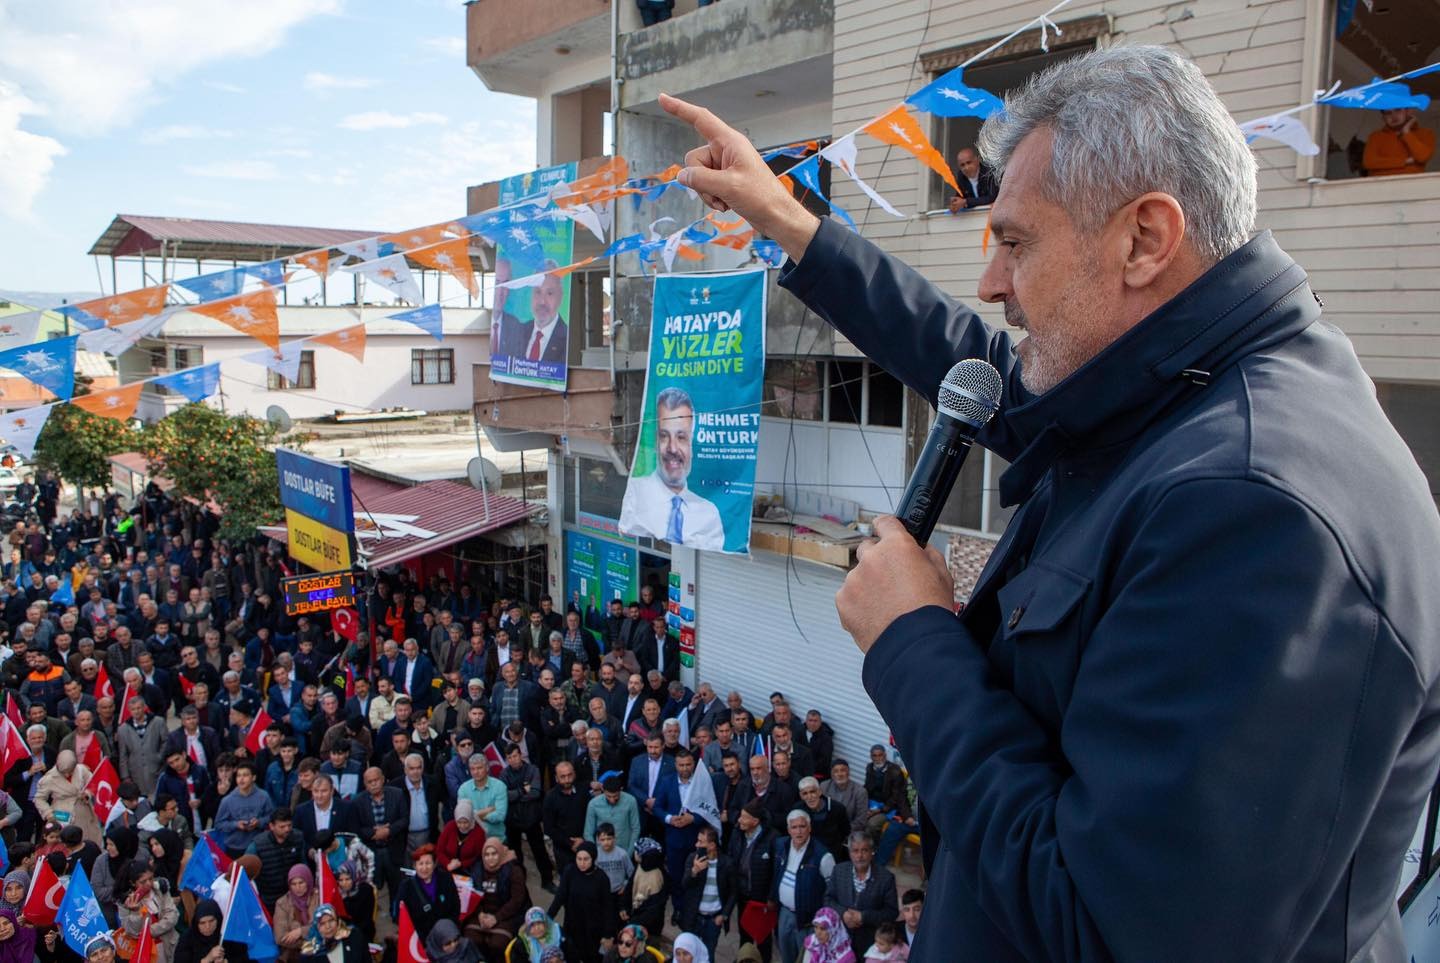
column 46, row 299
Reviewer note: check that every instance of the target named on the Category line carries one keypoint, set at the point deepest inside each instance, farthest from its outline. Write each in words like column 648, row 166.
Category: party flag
column 247, row 922
column 200, row 872
column 103, row 787
column 350, row 340
column 453, row 257
column 899, row 128
column 118, row 308
column 585, row 215
column 120, row 338
column 18, row 329
column 367, row 249
column 118, row 403
column 196, row 384
column 807, row 172
column 317, row 261
column 1288, row 130
column 624, row 245
column 46, row 894
column 948, row 96
column 284, row 360
column 427, row 319
column 64, row 593
column 81, row 919
column 602, row 185
column 392, row 273
column 406, row 241
column 49, row 364
column 254, row 314
column 22, row 428
column 842, row 155
column 1378, row 95
column 104, row 688
column 410, row 950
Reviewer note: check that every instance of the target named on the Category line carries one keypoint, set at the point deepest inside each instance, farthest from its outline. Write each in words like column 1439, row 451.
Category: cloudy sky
column 337, row 113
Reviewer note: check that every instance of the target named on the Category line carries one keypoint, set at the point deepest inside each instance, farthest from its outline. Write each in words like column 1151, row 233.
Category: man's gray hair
column 1127, row 121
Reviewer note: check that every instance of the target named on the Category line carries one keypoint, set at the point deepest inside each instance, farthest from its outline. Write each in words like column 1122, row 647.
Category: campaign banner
column 692, row 481
column 529, row 326
column 598, row 572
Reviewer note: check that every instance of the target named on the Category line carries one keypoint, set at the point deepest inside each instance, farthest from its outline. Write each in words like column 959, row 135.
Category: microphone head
column 970, row 392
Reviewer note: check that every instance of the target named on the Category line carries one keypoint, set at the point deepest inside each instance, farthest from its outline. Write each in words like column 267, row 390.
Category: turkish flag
column 12, row 746
column 346, row 623
column 104, row 787
column 104, row 688
column 255, row 739
column 185, row 686
column 43, row 901
column 145, row 945
column 329, row 889
column 410, row 950
column 349, row 680
column 222, row 862
column 497, row 761
column 93, row 755
column 124, row 715
column 12, row 712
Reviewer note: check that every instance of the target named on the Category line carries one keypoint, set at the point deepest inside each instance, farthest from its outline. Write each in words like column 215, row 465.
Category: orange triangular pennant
column 253, row 314
column 452, row 257
column 899, row 128
column 737, row 241
column 350, row 340
column 565, row 269
column 317, row 261
column 407, row 241
column 118, row 403
column 602, row 185
column 129, row 306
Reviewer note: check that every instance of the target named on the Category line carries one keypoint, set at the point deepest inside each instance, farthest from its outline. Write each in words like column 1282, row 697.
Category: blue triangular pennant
column 50, row 364
column 427, row 319
column 196, row 384
column 950, row 97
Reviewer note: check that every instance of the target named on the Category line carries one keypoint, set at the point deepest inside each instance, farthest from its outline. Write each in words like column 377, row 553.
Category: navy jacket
column 1191, row 705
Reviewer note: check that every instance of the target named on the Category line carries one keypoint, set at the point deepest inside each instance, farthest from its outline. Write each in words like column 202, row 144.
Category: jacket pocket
column 1039, row 600
column 1042, row 636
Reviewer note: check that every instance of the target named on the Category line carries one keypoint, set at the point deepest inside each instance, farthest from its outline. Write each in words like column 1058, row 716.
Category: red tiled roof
column 454, row 512
column 130, row 234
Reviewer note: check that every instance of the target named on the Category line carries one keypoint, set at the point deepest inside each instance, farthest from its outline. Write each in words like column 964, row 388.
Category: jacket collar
column 1255, row 297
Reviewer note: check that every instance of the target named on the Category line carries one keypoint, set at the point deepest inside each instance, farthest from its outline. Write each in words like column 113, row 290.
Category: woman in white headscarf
column 689, row 948
column 62, row 797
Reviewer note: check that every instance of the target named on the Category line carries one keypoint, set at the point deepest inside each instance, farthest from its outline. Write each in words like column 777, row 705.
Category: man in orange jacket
column 1399, row 147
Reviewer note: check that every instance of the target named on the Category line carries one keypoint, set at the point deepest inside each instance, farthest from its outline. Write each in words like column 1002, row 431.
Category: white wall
column 832, row 459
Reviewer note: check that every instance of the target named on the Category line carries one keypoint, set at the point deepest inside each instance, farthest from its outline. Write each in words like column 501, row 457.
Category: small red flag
column 346, row 622
column 222, row 862
column 93, row 755
column 104, row 688
column 43, row 901
column 185, row 686
column 124, row 715
column 349, row 680
column 497, row 761
column 12, row 746
column 145, row 945
column 410, row 950
column 255, row 739
column 12, row 712
column 329, row 889
column 104, row 788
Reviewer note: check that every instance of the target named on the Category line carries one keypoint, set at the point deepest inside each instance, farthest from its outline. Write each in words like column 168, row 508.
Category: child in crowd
column 889, row 947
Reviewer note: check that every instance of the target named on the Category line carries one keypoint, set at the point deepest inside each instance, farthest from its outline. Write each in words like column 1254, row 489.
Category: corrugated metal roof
column 131, row 234
column 454, row 512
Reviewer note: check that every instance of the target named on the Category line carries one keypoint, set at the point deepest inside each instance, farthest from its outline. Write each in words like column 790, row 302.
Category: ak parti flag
column 899, row 128
column 602, row 185
column 43, row 900
column 118, row 403
column 256, row 737
column 317, row 261
column 350, row 340
column 254, row 314
column 103, row 787
column 120, row 308
column 451, row 256
column 409, row 948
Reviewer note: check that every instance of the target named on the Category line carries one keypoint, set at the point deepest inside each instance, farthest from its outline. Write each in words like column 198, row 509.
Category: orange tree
column 77, row 445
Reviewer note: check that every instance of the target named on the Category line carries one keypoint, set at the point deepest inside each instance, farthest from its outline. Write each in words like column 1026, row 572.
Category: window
column 793, row 389
column 841, row 391
column 1001, row 74
column 1366, row 41
column 847, row 391
column 432, row 366
column 601, row 489
column 304, row 379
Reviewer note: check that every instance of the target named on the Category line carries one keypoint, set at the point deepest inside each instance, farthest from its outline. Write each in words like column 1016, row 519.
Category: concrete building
column 838, row 434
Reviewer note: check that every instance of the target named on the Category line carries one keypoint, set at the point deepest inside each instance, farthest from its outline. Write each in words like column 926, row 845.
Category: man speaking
column 1190, row 712
column 661, row 504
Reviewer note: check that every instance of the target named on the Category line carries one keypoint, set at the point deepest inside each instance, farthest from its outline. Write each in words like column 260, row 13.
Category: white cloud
column 161, row 135
column 317, row 82
column 224, row 88
column 96, row 66
column 385, row 120
column 25, row 158
column 235, row 170
column 449, row 46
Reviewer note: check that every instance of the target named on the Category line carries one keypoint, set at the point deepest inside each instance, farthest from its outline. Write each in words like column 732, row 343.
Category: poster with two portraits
column 692, row 481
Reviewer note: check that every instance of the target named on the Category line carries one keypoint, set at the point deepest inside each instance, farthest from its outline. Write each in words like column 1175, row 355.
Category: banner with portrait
column 529, row 326
column 692, row 481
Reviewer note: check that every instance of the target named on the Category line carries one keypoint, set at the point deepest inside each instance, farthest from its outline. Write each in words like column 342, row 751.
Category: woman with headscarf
column 430, row 894
column 499, row 881
column 445, row 944
column 331, row 941
column 645, row 902
column 689, row 948
column 584, row 896
column 538, row 935
column 17, row 884
column 121, row 845
column 201, row 942
column 829, row 942
column 61, row 796
column 166, row 852
column 632, row 943
column 461, row 841
column 295, row 911
column 145, row 897
column 359, row 898
column 17, row 943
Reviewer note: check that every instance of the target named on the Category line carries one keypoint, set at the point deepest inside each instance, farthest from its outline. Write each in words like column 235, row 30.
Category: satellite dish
column 484, row 474
column 279, row 418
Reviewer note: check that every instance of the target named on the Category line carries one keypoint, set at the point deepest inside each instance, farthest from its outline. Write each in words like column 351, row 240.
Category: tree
column 228, row 458
column 77, row 445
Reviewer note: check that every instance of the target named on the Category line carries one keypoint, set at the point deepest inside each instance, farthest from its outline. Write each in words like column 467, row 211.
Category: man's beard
column 1044, row 364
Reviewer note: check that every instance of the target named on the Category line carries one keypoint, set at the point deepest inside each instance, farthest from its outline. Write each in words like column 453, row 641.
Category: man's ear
column 1155, row 226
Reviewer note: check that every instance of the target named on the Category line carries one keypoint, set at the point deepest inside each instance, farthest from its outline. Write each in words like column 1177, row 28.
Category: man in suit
column 324, row 811
column 422, row 804
column 75, row 701
column 597, row 759
column 416, row 676
column 978, row 185
column 358, row 705
column 862, row 892
column 284, row 692
column 706, row 709
column 658, row 652
column 646, row 772
column 505, row 329
column 198, row 742
column 546, row 339
column 381, row 815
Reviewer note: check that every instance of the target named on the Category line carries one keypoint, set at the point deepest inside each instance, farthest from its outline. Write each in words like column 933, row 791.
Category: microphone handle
column 934, row 476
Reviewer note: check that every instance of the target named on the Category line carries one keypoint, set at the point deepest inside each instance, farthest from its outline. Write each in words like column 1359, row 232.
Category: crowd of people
column 439, row 760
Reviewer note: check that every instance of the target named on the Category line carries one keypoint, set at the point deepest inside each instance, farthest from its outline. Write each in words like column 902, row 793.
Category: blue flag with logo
column 1378, row 95
column 692, row 482
column 807, row 172
column 427, row 319
column 196, row 384
column 248, row 923
column 79, row 918
column 50, row 364
column 950, row 97
column 65, row 594
column 201, row 871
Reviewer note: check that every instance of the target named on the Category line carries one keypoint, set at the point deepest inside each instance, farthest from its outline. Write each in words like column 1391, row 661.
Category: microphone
column 969, row 396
